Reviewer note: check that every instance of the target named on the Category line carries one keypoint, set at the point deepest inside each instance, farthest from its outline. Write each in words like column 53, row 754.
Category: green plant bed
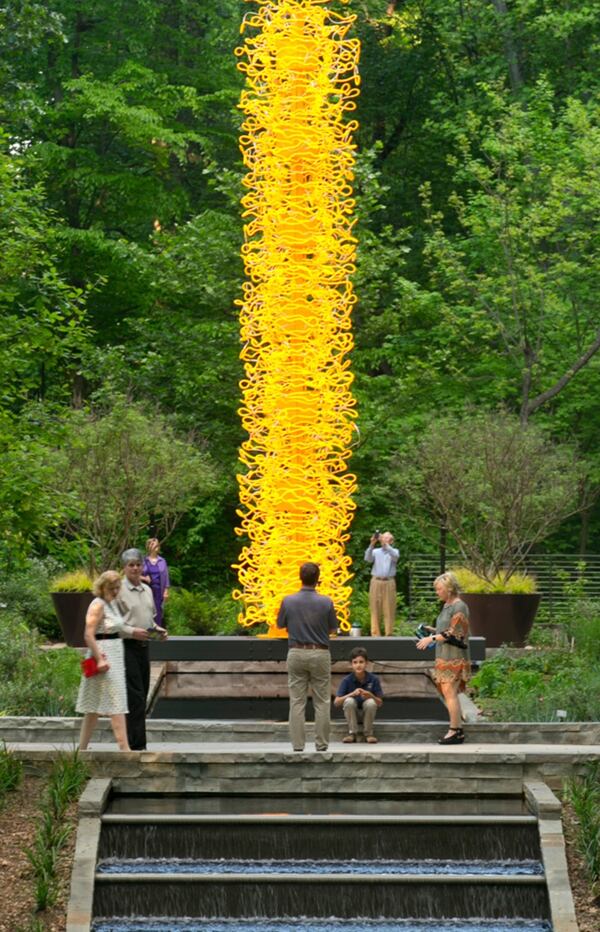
column 34, row 681
column 534, row 688
column 584, row 796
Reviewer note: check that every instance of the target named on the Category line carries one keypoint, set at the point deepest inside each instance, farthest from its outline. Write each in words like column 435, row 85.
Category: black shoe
column 324, row 748
column 455, row 736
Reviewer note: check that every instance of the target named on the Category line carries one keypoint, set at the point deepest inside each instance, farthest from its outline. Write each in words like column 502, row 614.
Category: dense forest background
column 478, row 199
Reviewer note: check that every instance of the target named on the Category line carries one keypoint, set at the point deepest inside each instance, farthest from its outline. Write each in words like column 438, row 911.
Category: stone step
column 383, row 769
column 160, row 731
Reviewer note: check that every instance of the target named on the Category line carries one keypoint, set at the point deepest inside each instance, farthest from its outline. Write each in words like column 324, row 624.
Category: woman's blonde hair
column 151, row 541
column 104, row 580
column 450, row 583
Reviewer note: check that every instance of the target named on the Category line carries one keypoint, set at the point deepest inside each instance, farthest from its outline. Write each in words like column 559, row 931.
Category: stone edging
column 81, row 896
column 542, row 801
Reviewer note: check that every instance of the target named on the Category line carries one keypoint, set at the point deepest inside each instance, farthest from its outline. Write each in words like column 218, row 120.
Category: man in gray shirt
column 382, row 590
column 309, row 618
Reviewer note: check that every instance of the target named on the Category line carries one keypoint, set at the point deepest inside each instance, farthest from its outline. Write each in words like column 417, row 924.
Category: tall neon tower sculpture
column 297, row 407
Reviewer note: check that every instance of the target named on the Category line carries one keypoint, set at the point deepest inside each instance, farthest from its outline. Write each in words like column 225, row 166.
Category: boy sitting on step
column 360, row 695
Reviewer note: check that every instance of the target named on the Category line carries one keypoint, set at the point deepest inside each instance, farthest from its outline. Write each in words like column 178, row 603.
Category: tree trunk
column 510, row 46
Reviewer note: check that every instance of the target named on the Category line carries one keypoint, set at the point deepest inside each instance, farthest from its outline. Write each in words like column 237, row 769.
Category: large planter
column 71, row 609
column 501, row 619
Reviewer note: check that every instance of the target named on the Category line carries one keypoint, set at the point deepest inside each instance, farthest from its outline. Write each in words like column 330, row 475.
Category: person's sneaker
column 349, row 739
column 324, row 747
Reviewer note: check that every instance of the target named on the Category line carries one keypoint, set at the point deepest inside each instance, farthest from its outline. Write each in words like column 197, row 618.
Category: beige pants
column 382, row 601
column 354, row 714
column 309, row 668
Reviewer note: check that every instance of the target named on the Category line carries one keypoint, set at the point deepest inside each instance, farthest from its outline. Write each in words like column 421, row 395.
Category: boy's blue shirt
column 370, row 683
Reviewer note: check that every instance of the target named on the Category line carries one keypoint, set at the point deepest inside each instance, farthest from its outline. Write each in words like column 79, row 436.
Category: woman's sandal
column 349, row 739
column 454, row 736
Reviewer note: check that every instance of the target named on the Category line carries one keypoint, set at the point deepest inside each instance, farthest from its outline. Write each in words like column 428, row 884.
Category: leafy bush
column 517, row 584
column 34, row 681
column 189, row 612
column 533, row 687
column 27, row 592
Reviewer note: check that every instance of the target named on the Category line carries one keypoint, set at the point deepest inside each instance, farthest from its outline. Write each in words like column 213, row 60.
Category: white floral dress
column 106, row 693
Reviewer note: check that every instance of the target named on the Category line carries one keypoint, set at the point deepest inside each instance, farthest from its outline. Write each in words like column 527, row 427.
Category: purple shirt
column 149, row 569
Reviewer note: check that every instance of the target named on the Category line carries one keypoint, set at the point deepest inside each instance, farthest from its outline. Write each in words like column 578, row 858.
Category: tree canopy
column 120, row 177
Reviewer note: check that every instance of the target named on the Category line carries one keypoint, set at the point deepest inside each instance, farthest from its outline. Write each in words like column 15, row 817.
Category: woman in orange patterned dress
column 452, row 662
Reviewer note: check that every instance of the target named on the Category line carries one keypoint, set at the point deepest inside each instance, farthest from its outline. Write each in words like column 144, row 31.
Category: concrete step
column 160, row 731
column 273, row 768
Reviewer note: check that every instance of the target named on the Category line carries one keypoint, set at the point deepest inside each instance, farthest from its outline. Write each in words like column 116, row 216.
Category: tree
column 497, row 487
column 123, row 472
column 525, row 257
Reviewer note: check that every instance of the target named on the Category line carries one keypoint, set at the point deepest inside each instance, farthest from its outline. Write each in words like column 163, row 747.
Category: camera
column 377, row 534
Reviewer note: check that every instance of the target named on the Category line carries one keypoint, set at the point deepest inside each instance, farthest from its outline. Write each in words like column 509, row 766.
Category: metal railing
column 556, row 574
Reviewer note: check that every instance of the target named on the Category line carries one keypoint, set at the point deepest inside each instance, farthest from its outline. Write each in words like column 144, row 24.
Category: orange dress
column 452, row 663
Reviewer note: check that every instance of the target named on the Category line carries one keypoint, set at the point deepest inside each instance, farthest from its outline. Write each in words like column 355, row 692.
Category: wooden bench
column 245, row 677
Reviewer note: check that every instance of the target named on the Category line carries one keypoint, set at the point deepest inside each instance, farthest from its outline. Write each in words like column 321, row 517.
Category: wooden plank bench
column 246, row 678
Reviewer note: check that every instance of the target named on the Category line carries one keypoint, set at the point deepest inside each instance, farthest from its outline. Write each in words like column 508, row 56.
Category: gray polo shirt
column 137, row 605
column 308, row 616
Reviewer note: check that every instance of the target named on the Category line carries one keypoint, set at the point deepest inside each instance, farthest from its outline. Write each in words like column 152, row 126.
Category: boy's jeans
column 353, row 714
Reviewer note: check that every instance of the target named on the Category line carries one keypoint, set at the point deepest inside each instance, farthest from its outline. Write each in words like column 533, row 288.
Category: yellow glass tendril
column 297, row 407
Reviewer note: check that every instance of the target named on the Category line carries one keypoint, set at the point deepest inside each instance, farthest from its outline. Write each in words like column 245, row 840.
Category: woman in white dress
column 106, row 692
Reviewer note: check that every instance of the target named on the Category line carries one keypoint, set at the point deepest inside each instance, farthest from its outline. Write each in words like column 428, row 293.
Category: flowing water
column 503, row 868
column 303, row 924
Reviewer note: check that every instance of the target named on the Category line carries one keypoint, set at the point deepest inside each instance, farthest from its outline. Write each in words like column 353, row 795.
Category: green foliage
column 120, row 177
column 498, row 487
column 34, row 681
column 11, row 773
column 584, row 796
column 26, row 591
column 67, row 778
column 75, row 581
column 533, row 687
column 122, row 470
column 200, row 613
column 517, row 584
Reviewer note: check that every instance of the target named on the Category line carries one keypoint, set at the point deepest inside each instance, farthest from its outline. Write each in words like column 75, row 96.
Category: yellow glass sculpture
column 296, row 493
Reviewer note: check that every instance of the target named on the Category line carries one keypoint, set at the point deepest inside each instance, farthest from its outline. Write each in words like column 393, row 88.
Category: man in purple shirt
column 310, row 619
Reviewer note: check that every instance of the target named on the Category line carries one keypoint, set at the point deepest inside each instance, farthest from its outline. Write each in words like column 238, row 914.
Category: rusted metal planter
column 71, row 609
column 502, row 618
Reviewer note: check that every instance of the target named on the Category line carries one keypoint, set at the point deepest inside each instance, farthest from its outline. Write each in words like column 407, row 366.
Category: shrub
column 26, row 591
column 533, row 687
column 34, row 681
column 189, row 612
column 201, row 614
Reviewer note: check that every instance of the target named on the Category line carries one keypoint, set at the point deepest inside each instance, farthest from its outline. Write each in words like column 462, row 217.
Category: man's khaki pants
column 382, row 601
column 366, row 713
column 309, row 668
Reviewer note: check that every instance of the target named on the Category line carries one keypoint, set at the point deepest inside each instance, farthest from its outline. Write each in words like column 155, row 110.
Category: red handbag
column 89, row 667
